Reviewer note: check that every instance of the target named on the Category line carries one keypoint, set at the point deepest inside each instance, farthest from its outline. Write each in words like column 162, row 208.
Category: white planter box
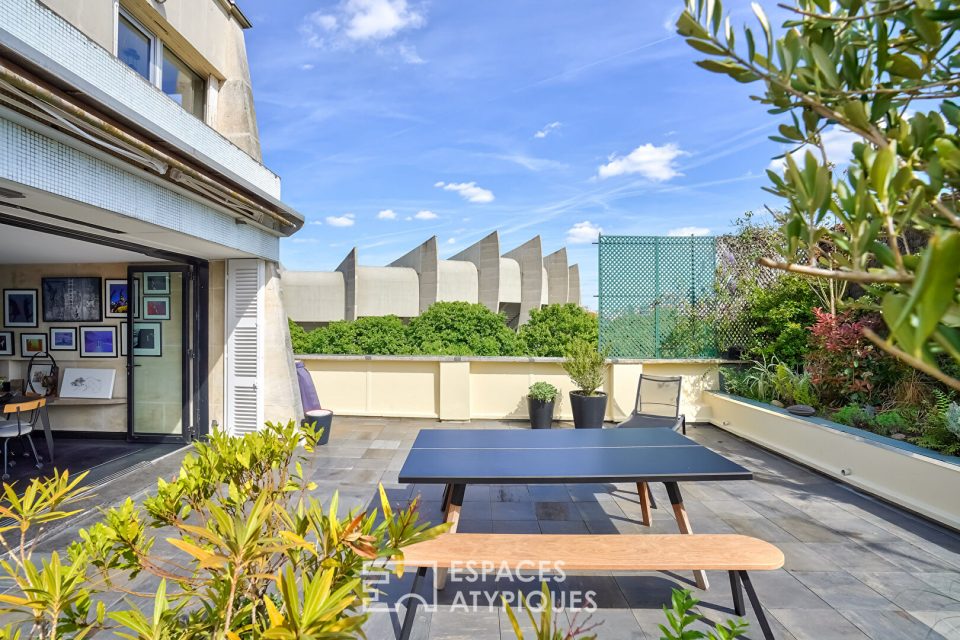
column 914, row 478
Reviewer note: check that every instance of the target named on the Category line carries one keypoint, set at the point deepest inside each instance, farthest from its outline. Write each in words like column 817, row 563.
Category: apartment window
column 134, row 47
column 182, row 84
column 144, row 53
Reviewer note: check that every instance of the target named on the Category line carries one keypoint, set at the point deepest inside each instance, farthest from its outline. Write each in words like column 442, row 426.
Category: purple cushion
column 308, row 392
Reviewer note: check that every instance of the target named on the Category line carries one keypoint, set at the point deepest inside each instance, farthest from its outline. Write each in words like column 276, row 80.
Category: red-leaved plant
column 841, row 362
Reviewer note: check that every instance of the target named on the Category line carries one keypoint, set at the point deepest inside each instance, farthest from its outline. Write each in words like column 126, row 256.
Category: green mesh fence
column 663, row 297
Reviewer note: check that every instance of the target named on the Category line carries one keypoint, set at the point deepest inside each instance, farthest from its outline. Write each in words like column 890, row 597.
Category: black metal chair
column 21, row 426
column 657, row 405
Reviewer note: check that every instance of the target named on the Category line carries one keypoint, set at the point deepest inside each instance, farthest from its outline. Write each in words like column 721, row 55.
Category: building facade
column 513, row 283
column 139, row 230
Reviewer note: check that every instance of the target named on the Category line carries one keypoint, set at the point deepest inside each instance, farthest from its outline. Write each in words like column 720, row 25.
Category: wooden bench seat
column 735, row 554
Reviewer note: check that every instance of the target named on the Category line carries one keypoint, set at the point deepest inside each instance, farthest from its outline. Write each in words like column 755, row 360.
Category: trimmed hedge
column 452, row 328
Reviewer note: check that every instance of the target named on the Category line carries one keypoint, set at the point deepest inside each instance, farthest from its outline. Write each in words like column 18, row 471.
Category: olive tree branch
column 849, row 276
column 914, row 362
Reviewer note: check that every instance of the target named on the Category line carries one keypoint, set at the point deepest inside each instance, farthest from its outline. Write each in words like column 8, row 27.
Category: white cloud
column 547, row 130
column 362, row 21
column 469, row 191
column 345, row 220
column 650, row 161
column 837, row 142
column 387, row 214
column 306, row 67
column 452, row 241
column 425, row 215
column 583, row 233
column 409, row 54
column 688, row 231
column 318, row 222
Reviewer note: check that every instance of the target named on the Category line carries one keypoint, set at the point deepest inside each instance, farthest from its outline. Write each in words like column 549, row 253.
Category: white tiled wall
column 52, row 36
column 32, row 159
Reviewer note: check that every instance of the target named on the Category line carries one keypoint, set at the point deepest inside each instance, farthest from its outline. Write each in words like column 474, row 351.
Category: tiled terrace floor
column 855, row 567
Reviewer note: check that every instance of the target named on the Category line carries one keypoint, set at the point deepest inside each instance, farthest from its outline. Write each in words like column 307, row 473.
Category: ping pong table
column 458, row 457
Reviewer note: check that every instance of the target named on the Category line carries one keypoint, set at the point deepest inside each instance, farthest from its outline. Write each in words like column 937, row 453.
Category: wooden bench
column 734, row 554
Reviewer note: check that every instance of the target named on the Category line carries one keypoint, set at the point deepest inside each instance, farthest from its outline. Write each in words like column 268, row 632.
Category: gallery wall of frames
column 78, row 314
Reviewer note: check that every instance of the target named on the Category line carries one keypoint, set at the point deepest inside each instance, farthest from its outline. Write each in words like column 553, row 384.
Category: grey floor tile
column 841, row 590
column 942, row 623
column 513, row 511
column 890, row 624
column 824, row 625
column 908, row 590
column 557, row 511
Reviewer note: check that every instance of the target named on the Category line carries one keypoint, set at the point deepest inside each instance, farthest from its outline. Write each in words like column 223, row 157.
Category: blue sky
column 391, row 120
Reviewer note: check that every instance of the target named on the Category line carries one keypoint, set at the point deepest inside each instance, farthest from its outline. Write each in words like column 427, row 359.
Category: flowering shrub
column 842, row 363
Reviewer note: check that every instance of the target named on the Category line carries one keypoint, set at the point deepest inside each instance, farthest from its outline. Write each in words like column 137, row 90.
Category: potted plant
column 586, row 367
column 540, row 401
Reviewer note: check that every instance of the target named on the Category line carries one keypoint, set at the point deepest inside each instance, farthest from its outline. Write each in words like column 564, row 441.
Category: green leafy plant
column 854, row 415
column 779, row 315
column 543, row 391
column 460, row 328
column 680, row 617
column 887, row 73
column 552, row 328
column 545, row 623
column 245, row 551
column 768, row 380
column 586, row 367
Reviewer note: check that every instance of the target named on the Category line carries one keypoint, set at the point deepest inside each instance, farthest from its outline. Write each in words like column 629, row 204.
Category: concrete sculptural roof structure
column 515, row 283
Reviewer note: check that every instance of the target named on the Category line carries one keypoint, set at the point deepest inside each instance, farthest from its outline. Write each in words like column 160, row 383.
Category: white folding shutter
column 244, row 349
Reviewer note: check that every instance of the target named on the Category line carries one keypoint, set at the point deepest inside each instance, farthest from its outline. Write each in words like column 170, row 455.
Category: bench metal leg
column 683, row 523
column 452, row 515
column 737, row 589
column 755, row 603
column 412, row 602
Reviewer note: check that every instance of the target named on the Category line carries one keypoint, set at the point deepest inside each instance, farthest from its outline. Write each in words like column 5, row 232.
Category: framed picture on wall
column 63, row 338
column 20, row 307
column 6, row 343
column 87, row 383
column 98, row 342
column 72, row 299
column 135, row 299
column 147, row 339
column 156, row 283
column 156, row 307
column 118, row 298
column 32, row 343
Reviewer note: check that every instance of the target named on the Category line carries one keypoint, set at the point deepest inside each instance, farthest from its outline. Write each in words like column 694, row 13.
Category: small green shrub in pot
column 540, row 403
column 543, row 392
column 586, row 367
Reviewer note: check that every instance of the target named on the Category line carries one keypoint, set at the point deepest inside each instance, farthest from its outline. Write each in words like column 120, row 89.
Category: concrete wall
column 387, row 290
column 920, row 481
column 281, row 393
column 204, row 34
column 529, row 256
column 557, row 277
column 312, row 298
column 451, row 388
column 510, row 278
column 573, row 284
column 459, row 281
column 485, row 256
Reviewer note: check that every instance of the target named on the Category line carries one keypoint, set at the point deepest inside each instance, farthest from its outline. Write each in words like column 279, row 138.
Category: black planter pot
column 541, row 413
column 588, row 411
column 323, row 419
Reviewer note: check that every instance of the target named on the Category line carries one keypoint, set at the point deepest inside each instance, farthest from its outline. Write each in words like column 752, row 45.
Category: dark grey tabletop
column 514, row 456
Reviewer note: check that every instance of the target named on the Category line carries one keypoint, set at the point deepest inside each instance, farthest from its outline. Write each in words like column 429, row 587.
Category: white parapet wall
column 913, row 478
column 465, row 388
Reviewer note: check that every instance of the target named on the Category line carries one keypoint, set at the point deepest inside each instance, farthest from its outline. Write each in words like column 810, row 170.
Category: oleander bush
column 232, row 547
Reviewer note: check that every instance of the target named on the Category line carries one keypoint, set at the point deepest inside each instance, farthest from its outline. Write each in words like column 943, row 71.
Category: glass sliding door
column 158, row 346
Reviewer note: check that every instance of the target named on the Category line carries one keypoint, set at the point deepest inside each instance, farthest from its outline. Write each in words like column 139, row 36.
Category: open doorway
column 121, row 326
